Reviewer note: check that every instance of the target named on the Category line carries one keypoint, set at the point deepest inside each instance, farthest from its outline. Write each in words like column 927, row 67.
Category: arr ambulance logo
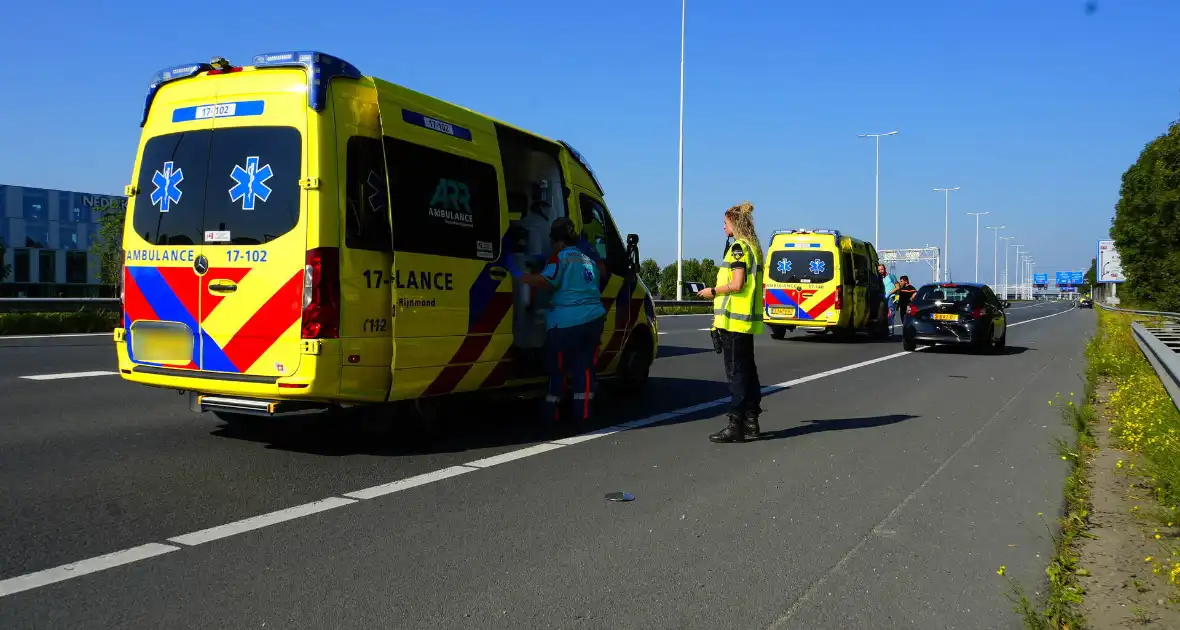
column 452, row 203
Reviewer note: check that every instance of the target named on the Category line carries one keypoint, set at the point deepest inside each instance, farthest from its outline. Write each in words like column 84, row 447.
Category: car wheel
column 778, row 332
column 635, row 364
column 1003, row 340
column 909, row 345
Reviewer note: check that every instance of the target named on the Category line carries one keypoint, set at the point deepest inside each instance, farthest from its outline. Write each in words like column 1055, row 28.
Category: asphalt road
column 887, row 490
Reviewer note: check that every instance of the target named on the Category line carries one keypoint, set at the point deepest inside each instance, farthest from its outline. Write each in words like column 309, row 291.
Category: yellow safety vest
column 742, row 311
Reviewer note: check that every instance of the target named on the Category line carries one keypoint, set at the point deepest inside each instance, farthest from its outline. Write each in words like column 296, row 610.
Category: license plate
column 782, row 311
column 946, row 317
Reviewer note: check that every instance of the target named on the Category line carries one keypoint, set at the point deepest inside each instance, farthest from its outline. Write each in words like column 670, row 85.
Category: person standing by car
column 737, row 320
column 574, row 322
column 905, row 293
column 890, row 282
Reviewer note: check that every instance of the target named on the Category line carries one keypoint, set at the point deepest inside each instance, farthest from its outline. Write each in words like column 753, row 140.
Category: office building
column 47, row 236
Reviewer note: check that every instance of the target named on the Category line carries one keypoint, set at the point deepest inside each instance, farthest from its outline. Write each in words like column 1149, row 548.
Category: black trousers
column 742, row 373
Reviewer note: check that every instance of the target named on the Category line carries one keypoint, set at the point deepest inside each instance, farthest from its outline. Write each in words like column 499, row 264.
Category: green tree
column 649, row 272
column 708, row 272
column 1146, row 225
column 4, row 269
column 668, row 282
column 1091, row 277
column 107, row 245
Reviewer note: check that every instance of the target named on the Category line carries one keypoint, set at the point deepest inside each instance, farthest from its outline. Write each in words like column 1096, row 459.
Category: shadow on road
column 843, row 424
column 858, row 339
column 1006, row 351
column 666, row 352
column 464, row 423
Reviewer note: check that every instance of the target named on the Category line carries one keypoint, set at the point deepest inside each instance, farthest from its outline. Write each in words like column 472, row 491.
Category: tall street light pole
column 946, row 236
column 1018, row 263
column 977, row 215
column 877, row 202
column 680, row 189
column 1007, row 246
column 995, row 253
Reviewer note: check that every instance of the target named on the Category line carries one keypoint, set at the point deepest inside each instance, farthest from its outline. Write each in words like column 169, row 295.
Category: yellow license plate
column 946, row 317
column 782, row 311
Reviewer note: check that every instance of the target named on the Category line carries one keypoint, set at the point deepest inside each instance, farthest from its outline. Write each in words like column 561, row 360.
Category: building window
column 46, row 266
column 70, row 208
column 36, row 204
column 68, row 238
column 37, row 234
column 4, row 240
column 20, row 265
column 76, row 267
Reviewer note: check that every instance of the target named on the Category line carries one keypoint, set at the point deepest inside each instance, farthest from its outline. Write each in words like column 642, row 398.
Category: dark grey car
column 956, row 313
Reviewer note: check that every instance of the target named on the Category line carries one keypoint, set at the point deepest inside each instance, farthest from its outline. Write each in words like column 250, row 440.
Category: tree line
column 1146, row 225
column 662, row 280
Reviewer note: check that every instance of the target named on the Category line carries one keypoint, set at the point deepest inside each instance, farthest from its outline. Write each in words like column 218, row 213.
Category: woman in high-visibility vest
column 737, row 319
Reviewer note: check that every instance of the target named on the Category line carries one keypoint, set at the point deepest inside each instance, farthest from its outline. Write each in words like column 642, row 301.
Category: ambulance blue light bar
column 321, row 69
column 835, row 233
column 166, row 75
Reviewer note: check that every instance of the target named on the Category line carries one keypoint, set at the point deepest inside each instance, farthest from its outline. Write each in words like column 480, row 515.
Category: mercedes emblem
column 201, row 265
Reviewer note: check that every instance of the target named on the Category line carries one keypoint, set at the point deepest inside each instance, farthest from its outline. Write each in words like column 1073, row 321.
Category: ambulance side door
column 619, row 288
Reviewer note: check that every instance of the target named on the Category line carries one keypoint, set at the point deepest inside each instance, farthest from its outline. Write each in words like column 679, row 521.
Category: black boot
column 735, row 432
column 753, row 431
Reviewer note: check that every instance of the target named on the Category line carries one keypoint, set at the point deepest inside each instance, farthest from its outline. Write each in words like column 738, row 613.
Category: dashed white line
column 258, row 522
column 100, row 563
column 54, row 377
column 78, row 569
column 504, row 458
column 409, row 482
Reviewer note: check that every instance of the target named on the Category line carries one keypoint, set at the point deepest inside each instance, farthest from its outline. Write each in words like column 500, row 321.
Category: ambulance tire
column 635, row 364
column 882, row 329
column 778, row 332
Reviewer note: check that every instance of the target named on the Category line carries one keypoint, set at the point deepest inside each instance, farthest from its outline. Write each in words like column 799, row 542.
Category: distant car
column 956, row 313
column 1085, row 303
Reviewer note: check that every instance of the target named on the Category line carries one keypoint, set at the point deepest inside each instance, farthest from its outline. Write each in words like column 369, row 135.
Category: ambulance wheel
column 635, row 364
column 778, row 332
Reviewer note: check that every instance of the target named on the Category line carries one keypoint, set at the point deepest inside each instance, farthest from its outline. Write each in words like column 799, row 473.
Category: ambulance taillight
column 321, row 294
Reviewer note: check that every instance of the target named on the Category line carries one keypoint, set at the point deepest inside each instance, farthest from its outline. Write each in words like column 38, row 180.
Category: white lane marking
column 54, row 377
column 409, row 482
column 504, row 458
column 49, row 576
column 665, row 332
column 30, row 581
column 263, row 520
column 62, row 336
column 879, row 528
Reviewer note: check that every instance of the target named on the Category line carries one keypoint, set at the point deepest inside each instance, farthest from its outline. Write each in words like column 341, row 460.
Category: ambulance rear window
column 241, row 182
column 801, row 266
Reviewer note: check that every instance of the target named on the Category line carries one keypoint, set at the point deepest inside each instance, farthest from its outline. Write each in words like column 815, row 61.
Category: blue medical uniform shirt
column 577, row 299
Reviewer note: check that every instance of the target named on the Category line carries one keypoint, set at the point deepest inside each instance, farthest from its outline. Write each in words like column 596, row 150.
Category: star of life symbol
column 167, row 183
column 784, row 265
column 251, row 183
column 816, row 266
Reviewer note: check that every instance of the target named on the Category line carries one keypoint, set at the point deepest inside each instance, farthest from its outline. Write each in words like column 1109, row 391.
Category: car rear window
column 242, row 182
column 801, row 266
column 945, row 293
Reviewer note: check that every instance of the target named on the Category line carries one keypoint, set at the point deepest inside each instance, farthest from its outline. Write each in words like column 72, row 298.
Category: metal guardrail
column 684, row 303
column 55, row 304
column 1161, row 345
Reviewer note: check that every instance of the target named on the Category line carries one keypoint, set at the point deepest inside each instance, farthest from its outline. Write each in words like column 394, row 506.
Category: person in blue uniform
column 574, row 322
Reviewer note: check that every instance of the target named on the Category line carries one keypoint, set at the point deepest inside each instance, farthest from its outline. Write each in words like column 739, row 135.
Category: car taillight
column 912, row 310
column 839, row 297
column 321, row 294
column 977, row 312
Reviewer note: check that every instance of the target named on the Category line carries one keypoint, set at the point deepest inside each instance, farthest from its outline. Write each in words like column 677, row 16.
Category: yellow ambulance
column 823, row 281
column 301, row 235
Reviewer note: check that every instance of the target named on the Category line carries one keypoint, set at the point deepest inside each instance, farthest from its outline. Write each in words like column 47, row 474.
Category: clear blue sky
column 1034, row 108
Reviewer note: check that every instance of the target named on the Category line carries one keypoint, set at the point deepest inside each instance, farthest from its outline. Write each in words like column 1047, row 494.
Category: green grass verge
column 704, row 308
column 57, row 323
column 1062, row 605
